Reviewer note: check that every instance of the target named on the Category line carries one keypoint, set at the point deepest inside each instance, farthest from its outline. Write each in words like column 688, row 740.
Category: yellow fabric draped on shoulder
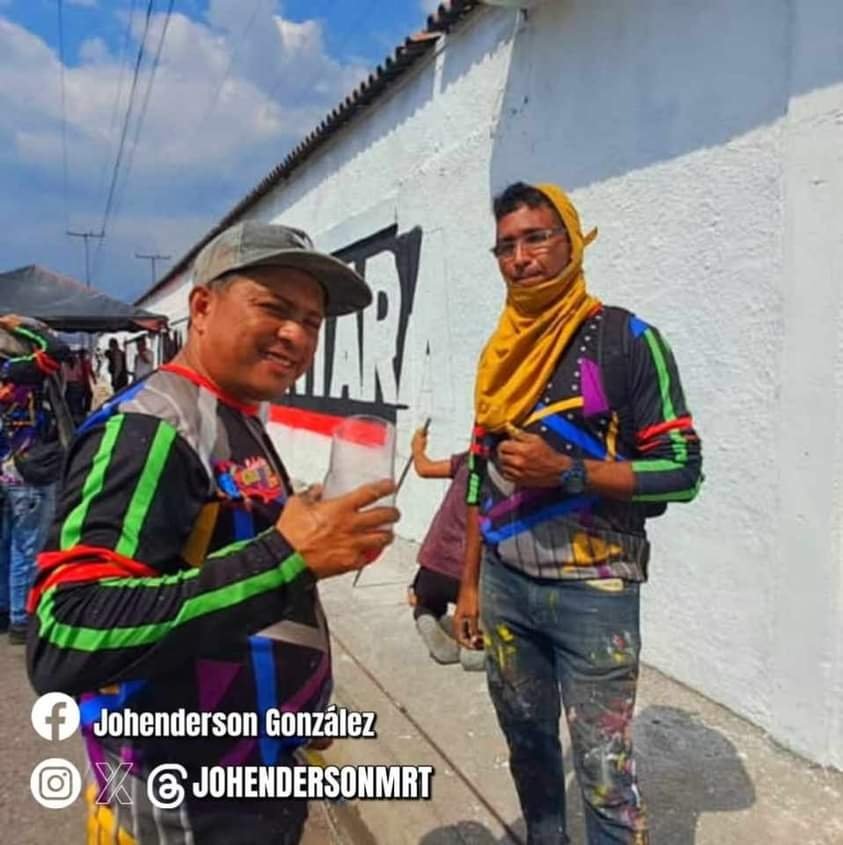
column 537, row 324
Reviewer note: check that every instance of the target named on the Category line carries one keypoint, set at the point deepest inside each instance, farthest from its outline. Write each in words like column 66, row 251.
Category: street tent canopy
column 67, row 305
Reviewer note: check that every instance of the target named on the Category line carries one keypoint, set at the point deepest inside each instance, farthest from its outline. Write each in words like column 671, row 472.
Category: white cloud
column 225, row 106
column 94, row 51
column 273, row 85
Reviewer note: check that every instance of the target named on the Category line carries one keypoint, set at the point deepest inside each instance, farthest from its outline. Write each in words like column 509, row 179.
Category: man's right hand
column 337, row 536
column 466, row 616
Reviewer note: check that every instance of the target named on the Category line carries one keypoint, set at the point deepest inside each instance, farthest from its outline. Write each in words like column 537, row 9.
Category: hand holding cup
column 341, row 534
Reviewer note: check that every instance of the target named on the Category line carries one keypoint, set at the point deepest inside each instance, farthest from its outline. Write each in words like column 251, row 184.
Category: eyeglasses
column 532, row 242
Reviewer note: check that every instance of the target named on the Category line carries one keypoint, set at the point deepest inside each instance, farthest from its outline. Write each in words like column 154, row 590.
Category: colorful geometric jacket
column 615, row 396
column 166, row 586
column 24, row 419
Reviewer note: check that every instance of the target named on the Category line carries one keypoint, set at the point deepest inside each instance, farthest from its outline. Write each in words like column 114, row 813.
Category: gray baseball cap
column 254, row 244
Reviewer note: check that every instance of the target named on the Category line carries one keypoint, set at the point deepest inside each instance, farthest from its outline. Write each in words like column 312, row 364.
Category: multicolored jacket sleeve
column 668, row 462
column 113, row 599
column 478, row 456
column 47, row 352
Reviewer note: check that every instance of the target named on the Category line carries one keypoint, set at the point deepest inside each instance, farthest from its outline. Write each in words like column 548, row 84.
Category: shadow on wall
column 686, row 769
column 597, row 89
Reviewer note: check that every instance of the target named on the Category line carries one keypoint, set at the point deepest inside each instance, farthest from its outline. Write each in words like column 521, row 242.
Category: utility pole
column 86, row 236
column 152, row 259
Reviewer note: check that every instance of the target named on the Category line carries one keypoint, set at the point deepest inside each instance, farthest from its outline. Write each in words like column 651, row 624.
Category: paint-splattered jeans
column 574, row 643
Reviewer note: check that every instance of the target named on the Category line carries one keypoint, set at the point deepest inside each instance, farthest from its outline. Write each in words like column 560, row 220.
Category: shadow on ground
column 686, row 769
column 471, row 833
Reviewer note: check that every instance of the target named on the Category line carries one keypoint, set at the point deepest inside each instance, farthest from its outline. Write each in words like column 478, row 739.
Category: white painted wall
column 705, row 139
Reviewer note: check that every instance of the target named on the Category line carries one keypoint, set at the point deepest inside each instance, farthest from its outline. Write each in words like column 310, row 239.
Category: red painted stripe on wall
column 308, row 420
column 365, row 431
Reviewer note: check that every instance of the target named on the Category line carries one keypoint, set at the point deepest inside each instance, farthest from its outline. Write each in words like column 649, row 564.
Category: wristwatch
column 573, row 480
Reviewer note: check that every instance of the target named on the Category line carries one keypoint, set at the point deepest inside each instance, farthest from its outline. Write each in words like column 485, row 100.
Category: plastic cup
column 362, row 451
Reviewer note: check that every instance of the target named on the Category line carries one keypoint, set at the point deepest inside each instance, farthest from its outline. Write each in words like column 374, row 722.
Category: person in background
column 144, row 360
column 98, row 362
column 116, row 358
column 440, row 559
column 78, row 381
column 30, row 463
column 102, row 386
column 581, row 434
column 89, row 381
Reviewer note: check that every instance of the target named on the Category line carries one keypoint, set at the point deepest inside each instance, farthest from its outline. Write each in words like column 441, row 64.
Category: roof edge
column 395, row 65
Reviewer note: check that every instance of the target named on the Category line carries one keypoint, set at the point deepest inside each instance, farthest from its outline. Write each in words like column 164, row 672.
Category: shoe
column 473, row 661
column 446, row 623
column 17, row 633
column 4, row 621
column 442, row 648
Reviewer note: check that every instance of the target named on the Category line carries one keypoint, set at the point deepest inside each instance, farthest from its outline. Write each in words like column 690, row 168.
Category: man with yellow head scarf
column 581, row 433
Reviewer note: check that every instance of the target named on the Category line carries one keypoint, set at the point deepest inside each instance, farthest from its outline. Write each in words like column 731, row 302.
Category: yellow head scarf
column 535, row 327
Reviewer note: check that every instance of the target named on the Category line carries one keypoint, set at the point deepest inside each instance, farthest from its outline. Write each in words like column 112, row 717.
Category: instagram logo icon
column 55, row 783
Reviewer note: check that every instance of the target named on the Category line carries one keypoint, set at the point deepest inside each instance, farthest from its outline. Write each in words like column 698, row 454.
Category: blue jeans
column 25, row 516
column 552, row 642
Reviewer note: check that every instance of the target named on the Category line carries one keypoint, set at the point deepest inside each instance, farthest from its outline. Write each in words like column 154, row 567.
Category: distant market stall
column 69, row 306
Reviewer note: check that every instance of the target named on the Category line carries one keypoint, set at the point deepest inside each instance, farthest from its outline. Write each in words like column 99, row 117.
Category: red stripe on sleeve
column 82, row 564
column 656, row 430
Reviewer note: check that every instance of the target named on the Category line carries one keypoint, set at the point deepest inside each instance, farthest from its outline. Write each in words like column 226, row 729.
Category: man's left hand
column 528, row 461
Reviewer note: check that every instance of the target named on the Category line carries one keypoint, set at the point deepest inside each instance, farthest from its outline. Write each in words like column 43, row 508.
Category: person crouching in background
column 437, row 582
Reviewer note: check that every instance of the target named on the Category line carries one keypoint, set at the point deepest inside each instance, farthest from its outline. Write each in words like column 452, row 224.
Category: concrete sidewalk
column 709, row 778
column 24, row 822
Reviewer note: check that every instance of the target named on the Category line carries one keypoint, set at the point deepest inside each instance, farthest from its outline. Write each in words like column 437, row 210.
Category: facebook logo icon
column 55, row 716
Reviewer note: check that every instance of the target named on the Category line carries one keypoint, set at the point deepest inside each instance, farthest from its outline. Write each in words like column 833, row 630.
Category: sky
column 238, row 84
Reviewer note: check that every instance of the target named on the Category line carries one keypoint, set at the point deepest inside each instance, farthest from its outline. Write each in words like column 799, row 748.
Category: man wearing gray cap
column 181, row 572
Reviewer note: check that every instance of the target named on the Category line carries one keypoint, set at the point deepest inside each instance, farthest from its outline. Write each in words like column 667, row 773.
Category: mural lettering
column 359, row 364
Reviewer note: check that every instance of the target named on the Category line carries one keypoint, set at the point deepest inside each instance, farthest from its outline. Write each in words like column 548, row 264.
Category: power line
column 142, row 116
column 115, row 174
column 86, row 236
column 63, row 112
column 221, row 84
column 124, row 53
column 153, row 259
column 139, row 121
column 241, row 38
column 116, row 171
column 313, row 74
